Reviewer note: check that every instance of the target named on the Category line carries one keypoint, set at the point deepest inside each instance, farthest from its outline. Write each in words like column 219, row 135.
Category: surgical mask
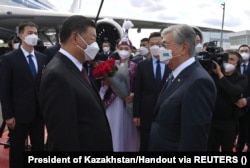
column 31, row 39
column 124, row 54
column 228, row 67
column 105, row 49
column 90, row 51
column 16, row 46
column 198, row 48
column 154, row 50
column 245, row 56
column 143, row 51
column 165, row 55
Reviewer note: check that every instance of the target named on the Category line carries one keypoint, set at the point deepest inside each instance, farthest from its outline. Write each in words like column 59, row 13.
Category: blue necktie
column 158, row 73
column 244, row 68
column 32, row 66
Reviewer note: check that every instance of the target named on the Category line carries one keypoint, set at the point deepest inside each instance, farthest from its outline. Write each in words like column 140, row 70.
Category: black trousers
column 18, row 136
column 222, row 133
column 144, row 139
column 243, row 132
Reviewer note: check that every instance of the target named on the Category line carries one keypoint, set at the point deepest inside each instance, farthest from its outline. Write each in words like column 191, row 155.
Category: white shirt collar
column 26, row 53
column 180, row 68
column 72, row 58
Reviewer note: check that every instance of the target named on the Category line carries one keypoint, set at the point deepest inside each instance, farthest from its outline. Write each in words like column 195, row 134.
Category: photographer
column 230, row 84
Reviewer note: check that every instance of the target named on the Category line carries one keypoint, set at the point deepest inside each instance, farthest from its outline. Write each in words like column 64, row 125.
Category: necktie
column 32, row 66
column 170, row 80
column 158, row 73
column 85, row 75
column 244, row 68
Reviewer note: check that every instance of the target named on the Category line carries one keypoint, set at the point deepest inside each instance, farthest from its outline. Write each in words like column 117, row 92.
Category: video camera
column 213, row 53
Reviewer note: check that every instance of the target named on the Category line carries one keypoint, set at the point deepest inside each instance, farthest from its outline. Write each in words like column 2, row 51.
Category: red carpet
column 4, row 152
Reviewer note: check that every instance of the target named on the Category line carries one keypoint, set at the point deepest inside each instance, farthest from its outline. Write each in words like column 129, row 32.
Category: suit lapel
column 22, row 60
column 79, row 75
column 178, row 81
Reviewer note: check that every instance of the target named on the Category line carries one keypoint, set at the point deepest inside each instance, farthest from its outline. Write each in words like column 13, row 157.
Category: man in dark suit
column 147, row 89
column 21, row 71
column 244, row 102
column 183, row 112
column 73, row 111
column 143, row 51
column 51, row 51
column 105, row 53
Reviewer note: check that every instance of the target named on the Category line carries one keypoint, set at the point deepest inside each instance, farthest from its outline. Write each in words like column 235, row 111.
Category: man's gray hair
column 182, row 33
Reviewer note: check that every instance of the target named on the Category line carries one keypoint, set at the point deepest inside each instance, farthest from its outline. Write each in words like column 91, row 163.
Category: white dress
column 125, row 134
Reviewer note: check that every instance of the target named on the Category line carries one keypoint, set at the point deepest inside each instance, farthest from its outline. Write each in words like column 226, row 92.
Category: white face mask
column 143, row 51
column 198, row 48
column 16, row 46
column 31, row 39
column 90, row 51
column 154, row 50
column 165, row 55
column 124, row 54
column 245, row 56
column 105, row 49
column 228, row 67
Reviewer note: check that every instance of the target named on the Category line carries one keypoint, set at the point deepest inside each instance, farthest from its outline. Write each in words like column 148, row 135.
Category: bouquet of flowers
column 105, row 69
column 117, row 76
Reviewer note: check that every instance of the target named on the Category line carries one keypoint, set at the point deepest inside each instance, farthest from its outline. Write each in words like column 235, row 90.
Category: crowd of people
column 172, row 103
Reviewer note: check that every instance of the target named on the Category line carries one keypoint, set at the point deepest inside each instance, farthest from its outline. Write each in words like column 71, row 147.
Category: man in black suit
column 147, row 89
column 143, row 51
column 51, row 51
column 244, row 102
column 105, row 53
column 73, row 111
column 183, row 112
column 21, row 71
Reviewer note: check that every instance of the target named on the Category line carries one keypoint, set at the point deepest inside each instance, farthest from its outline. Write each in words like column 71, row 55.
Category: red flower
column 105, row 69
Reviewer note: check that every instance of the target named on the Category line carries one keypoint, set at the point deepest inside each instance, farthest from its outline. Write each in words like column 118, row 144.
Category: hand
column 242, row 102
column 130, row 98
column 217, row 70
column 11, row 123
column 137, row 121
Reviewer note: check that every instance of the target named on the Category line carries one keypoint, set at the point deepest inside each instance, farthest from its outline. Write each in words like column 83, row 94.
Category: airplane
column 49, row 18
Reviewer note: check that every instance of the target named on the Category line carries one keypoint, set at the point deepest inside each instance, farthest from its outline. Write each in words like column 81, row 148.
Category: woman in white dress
column 125, row 134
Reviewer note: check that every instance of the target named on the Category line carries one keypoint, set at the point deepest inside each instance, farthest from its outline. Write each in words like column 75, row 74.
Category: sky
column 205, row 13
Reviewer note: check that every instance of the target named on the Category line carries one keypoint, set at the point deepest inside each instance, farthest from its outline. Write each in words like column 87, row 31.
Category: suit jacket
column 19, row 90
column 246, row 93
column 138, row 58
column 183, row 112
column 72, row 109
column 102, row 56
column 146, row 92
column 51, row 51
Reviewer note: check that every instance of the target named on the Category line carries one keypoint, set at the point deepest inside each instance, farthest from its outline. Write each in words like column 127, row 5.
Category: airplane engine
column 108, row 30
column 198, row 31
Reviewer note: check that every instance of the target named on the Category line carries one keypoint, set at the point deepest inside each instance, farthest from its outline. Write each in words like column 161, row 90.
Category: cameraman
column 230, row 84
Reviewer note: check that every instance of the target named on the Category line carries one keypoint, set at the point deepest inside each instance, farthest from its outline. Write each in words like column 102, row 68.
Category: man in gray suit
column 73, row 111
column 184, row 108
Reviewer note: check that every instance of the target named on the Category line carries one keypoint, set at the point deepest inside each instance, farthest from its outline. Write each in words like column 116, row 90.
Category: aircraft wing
column 49, row 20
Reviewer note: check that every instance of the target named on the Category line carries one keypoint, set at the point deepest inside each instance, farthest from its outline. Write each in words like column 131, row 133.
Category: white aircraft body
column 49, row 18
